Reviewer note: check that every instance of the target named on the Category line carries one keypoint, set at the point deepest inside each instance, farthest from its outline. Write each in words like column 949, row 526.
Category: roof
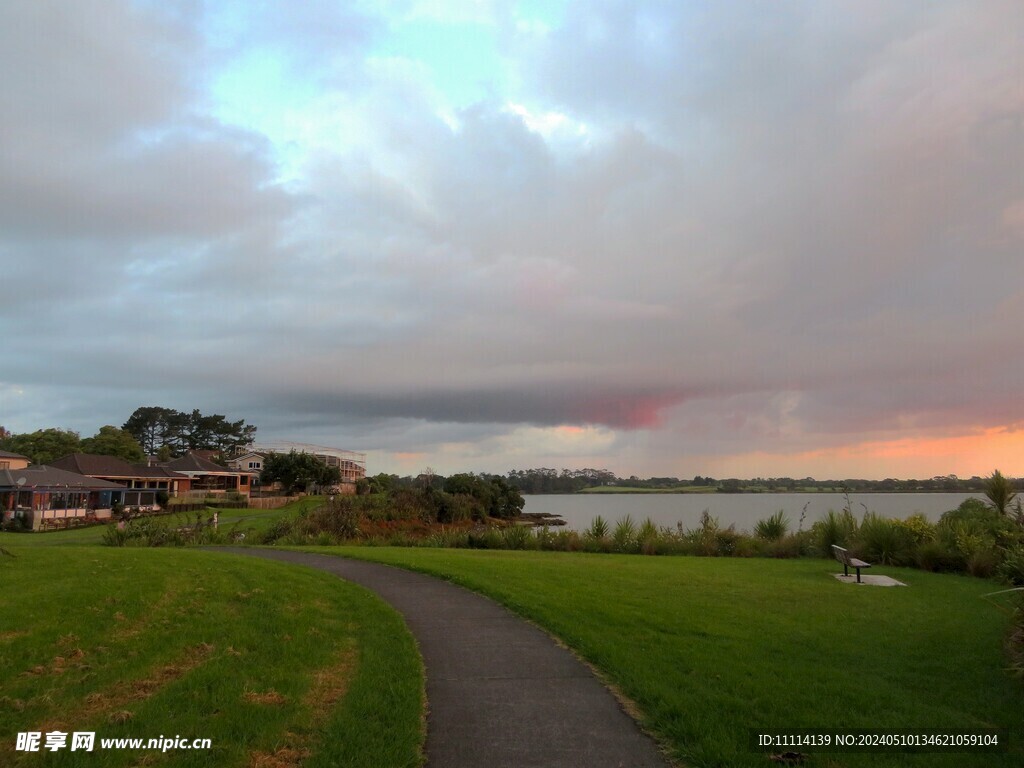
column 9, row 455
column 43, row 476
column 95, row 465
column 193, row 463
column 247, row 454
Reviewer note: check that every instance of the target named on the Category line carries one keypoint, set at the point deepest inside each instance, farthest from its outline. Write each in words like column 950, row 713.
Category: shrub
column 918, row 528
column 885, row 541
column 114, row 537
column 787, row 547
column 1015, row 643
column 936, row 556
column 517, row 537
column 598, row 529
column 983, row 563
column 834, row 528
column 647, row 537
column 773, row 528
column 624, row 536
column 338, row 518
column 1012, row 567
column 976, row 518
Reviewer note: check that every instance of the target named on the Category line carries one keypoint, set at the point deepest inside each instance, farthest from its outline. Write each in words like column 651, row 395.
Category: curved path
column 500, row 692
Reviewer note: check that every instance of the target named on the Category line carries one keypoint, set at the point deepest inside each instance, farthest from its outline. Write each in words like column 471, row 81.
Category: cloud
column 688, row 230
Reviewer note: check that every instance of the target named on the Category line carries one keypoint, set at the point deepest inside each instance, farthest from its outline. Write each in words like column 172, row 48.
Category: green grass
column 246, row 520
column 709, row 648
column 263, row 658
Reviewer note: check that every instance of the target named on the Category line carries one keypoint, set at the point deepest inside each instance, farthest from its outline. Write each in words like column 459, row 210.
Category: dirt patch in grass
column 330, row 684
column 112, row 702
column 285, row 757
column 270, row 697
column 328, row 688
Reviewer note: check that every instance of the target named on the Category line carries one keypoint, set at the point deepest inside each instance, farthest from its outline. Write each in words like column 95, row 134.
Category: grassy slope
column 246, row 652
column 710, row 648
column 243, row 519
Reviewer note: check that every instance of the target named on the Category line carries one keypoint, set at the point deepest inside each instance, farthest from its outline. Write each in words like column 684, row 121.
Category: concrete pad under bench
column 875, row 581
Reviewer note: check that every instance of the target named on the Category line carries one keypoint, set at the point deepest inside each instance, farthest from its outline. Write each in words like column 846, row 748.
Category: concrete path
column 500, row 693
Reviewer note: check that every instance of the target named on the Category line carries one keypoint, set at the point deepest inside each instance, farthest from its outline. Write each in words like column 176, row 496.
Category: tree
column 156, row 428
column 43, row 445
column 152, row 427
column 111, row 441
column 1000, row 492
column 297, row 471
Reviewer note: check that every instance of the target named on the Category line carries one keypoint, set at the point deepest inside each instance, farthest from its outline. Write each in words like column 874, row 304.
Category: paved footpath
column 500, row 692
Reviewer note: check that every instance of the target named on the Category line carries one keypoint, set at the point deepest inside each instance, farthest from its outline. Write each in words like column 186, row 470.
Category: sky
column 736, row 239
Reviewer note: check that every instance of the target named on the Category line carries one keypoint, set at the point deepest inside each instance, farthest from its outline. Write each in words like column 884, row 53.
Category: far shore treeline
column 545, row 480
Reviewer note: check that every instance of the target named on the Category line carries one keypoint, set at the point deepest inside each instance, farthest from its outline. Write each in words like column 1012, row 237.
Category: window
column 5, row 465
column 254, row 465
column 243, row 480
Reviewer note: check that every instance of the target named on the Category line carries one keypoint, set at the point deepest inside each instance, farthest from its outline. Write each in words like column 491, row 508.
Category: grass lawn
column 276, row 665
column 243, row 520
column 710, row 648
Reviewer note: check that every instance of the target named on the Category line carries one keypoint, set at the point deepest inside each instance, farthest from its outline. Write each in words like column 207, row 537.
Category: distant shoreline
column 708, row 490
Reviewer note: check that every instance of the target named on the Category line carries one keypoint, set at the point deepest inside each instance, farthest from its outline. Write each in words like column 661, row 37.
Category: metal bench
column 848, row 562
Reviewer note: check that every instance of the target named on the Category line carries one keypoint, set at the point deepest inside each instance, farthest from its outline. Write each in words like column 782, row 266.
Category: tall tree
column 111, row 441
column 151, row 426
column 43, row 445
column 156, row 428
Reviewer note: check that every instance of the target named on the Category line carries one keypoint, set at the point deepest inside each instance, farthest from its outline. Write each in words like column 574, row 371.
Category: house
column 13, row 460
column 250, row 461
column 134, row 476
column 351, row 465
column 209, row 478
column 39, row 493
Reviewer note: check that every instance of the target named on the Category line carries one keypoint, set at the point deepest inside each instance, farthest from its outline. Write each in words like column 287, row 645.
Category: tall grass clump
column 773, row 527
column 836, row 528
column 885, row 541
column 647, row 537
column 598, row 529
column 518, row 537
column 624, row 536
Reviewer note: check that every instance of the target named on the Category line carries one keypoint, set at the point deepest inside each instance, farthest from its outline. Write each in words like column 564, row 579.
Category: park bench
column 848, row 562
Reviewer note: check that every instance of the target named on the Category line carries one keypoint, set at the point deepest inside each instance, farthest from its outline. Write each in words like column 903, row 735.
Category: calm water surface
column 742, row 510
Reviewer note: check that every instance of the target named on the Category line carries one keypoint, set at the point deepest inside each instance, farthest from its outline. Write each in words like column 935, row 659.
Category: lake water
column 740, row 509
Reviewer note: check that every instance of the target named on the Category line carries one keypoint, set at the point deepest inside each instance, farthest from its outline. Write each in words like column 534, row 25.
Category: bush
column 937, row 556
column 918, row 528
column 773, row 528
column 1012, row 568
column 517, row 537
column 624, row 536
column 598, row 529
column 338, row 518
column 834, row 528
column 883, row 541
column 114, row 537
column 981, row 519
column 983, row 563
